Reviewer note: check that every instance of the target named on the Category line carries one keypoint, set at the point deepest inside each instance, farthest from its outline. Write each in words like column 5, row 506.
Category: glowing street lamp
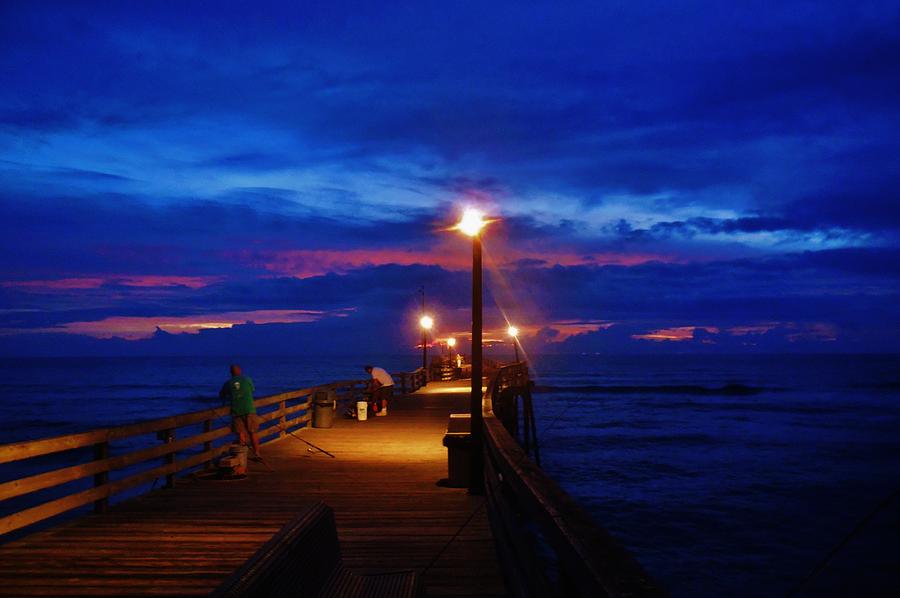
column 513, row 332
column 451, row 342
column 427, row 323
column 471, row 225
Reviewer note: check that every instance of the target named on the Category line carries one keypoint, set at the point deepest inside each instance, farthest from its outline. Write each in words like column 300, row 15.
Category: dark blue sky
column 669, row 176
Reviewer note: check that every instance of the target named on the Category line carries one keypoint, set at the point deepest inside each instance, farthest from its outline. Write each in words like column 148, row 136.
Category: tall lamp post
column 471, row 224
column 513, row 332
column 426, row 322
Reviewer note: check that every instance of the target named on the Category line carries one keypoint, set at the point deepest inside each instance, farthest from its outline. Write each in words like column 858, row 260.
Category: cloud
column 134, row 328
column 800, row 299
column 660, row 168
column 67, row 284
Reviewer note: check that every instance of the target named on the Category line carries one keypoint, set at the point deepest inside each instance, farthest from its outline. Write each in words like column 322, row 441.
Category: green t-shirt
column 240, row 390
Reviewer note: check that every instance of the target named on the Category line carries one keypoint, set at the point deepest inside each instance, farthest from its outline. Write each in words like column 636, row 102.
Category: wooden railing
column 531, row 516
column 407, row 382
column 279, row 415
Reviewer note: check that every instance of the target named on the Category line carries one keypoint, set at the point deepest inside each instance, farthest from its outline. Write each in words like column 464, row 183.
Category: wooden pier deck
column 383, row 486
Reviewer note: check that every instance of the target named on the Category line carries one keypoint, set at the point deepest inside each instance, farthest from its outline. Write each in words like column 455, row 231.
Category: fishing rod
column 318, row 448
column 259, row 458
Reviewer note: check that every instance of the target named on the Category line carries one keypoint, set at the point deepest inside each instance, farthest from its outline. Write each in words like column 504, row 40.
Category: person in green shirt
column 244, row 421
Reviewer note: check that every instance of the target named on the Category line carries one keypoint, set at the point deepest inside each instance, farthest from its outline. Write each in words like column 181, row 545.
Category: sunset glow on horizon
column 135, row 328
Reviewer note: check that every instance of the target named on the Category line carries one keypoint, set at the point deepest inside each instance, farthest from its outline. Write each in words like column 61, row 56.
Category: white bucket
column 362, row 409
column 239, row 451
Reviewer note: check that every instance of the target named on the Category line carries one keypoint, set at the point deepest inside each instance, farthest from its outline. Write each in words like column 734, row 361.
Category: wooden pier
column 382, row 484
column 524, row 536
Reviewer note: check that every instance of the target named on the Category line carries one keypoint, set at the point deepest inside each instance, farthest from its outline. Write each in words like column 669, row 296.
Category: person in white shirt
column 382, row 388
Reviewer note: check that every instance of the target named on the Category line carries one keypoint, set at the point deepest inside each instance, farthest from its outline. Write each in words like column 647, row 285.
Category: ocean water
column 736, row 490
column 62, row 395
column 724, row 475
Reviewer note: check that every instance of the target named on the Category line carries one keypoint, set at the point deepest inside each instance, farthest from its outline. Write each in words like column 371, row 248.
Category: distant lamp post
column 513, row 332
column 451, row 342
column 471, row 224
column 427, row 323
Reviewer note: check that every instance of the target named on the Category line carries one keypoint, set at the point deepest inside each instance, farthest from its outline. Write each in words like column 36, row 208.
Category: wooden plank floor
column 382, row 485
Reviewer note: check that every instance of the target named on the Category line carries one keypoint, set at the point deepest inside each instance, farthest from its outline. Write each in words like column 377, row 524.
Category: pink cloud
column 136, row 327
column 193, row 282
column 54, row 285
column 563, row 329
column 95, row 282
column 303, row 263
column 676, row 334
column 817, row 331
column 753, row 329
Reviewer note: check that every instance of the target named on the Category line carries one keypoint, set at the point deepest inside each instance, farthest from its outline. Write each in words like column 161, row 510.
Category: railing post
column 101, row 452
column 168, row 436
column 207, row 446
column 526, row 423
column 282, row 422
column 528, row 404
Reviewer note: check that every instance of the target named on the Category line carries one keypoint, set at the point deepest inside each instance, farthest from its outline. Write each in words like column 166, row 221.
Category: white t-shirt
column 382, row 376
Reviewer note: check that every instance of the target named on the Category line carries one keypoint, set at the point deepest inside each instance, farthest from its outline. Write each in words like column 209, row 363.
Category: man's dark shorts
column 245, row 423
column 383, row 393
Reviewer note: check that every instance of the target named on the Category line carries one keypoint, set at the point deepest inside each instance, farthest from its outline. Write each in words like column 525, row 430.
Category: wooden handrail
column 18, row 451
column 590, row 562
column 102, row 463
column 410, row 382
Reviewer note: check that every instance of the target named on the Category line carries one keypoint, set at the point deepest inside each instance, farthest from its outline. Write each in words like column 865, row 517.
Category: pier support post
column 101, row 452
column 207, row 446
column 169, row 438
column 282, row 422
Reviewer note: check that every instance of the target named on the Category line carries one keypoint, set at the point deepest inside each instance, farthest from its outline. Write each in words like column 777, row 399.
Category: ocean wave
column 60, row 387
column 751, row 406
column 686, row 389
column 581, row 442
column 36, row 424
column 892, row 385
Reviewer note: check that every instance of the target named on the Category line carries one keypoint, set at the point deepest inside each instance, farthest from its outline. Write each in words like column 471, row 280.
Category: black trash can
column 458, row 441
column 323, row 409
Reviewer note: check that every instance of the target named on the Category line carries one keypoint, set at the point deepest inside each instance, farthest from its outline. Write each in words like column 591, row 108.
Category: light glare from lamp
column 426, row 322
column 451, row 342
column 512, row 331
column 472, row 222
